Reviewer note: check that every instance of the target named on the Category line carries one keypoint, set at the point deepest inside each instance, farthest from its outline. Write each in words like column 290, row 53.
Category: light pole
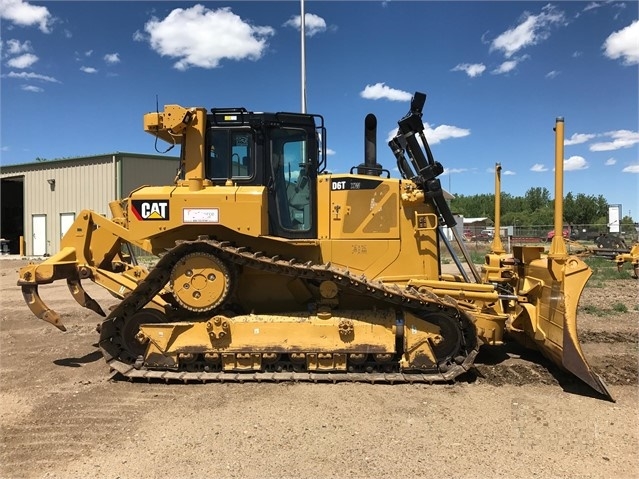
column 303, row 62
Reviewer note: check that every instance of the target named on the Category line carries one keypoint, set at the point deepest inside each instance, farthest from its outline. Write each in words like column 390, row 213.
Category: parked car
column 551, row 233
column 484, row 235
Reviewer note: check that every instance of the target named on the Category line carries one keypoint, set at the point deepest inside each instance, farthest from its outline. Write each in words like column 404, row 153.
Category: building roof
column 477, row 220
column 120, row 154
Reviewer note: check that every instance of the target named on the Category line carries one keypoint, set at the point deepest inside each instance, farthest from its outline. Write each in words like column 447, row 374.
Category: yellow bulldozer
column 271, row 268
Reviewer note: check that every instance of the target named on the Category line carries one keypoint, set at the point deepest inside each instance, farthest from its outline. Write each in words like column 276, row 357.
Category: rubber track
column 405, row 298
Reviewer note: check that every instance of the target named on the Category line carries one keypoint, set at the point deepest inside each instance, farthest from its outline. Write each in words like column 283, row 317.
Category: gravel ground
column 516, row 416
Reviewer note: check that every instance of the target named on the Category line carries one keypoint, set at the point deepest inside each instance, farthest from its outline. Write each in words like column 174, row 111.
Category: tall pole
column 497, row 246
column 558, row 245
column 303, row 43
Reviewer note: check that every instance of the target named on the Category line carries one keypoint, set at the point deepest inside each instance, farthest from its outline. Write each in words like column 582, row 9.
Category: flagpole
column 303, row 41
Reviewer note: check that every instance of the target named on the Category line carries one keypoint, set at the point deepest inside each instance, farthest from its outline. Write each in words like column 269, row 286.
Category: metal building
column 41, row 200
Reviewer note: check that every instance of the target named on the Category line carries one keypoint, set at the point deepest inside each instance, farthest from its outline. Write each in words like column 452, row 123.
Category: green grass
column 478, row 257
column 604, row 269
column 596, row 310
column 619, row 308
column 599, row 311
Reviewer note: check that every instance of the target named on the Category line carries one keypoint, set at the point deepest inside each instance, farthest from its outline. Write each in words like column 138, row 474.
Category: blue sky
column 77, row 77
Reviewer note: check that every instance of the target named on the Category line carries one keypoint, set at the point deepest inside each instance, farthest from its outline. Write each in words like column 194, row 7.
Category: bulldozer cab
column 281, row 151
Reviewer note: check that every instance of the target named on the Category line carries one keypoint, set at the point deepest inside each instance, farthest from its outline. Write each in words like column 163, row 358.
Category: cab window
column 229, row 154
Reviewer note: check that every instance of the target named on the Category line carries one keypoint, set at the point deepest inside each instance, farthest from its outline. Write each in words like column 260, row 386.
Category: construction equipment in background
column 631, row 257
column 609, row 245
column 271, row 268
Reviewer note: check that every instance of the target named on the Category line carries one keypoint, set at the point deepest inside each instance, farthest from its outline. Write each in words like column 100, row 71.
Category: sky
column 76, row 78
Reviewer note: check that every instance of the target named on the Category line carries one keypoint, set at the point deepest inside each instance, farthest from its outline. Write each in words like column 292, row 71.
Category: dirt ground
column 516, row 416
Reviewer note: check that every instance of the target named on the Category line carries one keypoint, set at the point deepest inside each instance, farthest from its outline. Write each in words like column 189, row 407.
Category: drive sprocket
column 200, row 282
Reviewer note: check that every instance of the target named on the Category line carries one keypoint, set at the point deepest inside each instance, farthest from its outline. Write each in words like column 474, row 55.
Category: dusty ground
column 62, row 416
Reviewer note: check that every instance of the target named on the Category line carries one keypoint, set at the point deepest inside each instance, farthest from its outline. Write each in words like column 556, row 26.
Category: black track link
column 421, row 303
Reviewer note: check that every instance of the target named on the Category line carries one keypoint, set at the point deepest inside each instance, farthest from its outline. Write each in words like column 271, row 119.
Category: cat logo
column 146, row 210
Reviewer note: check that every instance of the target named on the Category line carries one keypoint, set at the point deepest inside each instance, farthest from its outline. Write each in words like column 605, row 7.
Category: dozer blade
column 82, row 297
column 552, row 288
column 41, row 310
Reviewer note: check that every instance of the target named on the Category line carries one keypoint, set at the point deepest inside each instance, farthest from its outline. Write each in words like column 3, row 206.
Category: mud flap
column 552, row 288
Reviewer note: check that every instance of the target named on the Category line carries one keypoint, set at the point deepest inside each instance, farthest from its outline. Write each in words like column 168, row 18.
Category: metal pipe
column 370, row 140
column 458, row 263
column 496, row 246
column 558, row 245
column 460, row 242
column 370, row 165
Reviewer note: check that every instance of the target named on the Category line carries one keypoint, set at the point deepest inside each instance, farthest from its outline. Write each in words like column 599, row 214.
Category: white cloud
column 438, row 134
column 575, row 163
column 591, row 6
column 112, row 58
column 443, row 132
column 380, row 91
column 621, row 139
column 23, row 61
column 610, row 162
column 538, row 168
column 578, row 138
column 32, row 88
column 312, row 24
column 624, row 44
column 450, row 171
column 503, row 172
column 505, row 67
column 552, row 74
column 199, row 37
column 532, row 30
column 329, row 152
column 471, row 69
column 31, row 76
column 15, row 47
column 631, row 169
column 577, row 54
column 88, row 70
column 25, row 15
column 88, row 53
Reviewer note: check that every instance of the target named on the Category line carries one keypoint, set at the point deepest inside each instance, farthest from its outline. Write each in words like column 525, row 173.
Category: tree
column 584, row 209
column 536, row 208
column 537, row 198
column 476, row 206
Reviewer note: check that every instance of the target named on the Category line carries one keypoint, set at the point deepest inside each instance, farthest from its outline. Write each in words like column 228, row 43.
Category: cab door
column 292, row 188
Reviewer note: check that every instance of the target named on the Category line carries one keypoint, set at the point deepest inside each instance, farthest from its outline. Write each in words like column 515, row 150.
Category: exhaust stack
column 370, row 165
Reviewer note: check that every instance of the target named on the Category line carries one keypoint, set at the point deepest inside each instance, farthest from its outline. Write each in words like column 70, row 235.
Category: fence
column 630, row 233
